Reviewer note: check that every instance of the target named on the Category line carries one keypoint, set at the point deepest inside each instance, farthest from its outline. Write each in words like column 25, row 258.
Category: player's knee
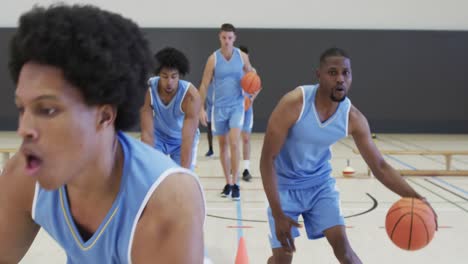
column 234, row 145
column 245, row 138
column 223, row 148
column 270, row 260
column 280, row 259
column 280, row 256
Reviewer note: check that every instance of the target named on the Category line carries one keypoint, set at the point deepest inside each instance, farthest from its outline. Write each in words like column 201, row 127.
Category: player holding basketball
column 102, row 195
column 169, row 116
column 295, row 162
column 225, row 67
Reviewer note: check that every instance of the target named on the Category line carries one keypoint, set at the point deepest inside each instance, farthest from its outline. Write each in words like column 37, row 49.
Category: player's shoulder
column 355, row 114
column 295, row 96
column 177, row 193
column 357, row 121
column 291, row 103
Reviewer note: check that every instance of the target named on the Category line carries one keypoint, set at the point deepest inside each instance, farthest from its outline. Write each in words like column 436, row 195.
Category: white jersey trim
column 162, row 177
column 183, row 96
column 347, row 118
column 303, row 104
column 33, row 209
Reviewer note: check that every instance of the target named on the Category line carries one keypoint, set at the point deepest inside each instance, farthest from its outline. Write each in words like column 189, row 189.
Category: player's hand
column 203, row 117
column 283, row 225
column 433, row 211
column 254, row 95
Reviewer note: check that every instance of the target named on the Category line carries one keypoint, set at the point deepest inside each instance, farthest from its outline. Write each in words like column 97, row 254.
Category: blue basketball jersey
column 168, row 119
column 304, row 159
column 227, row 77
column 144, row 169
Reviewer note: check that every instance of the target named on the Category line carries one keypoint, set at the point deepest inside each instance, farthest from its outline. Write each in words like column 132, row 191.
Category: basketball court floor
column 364, row 203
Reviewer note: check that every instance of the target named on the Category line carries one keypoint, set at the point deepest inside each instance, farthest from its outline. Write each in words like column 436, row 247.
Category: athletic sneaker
column 209, row 153
column 246, row 175
column 226, row 191
column 235, row 195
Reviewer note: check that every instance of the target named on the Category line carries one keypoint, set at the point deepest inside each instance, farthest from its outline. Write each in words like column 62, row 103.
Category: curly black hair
column 103, row 54
column 173, row 59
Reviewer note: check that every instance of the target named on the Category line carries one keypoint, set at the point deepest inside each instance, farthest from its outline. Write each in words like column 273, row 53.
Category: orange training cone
column 241, row 256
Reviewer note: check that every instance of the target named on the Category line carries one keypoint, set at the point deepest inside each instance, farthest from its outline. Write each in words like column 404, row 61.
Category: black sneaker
column 209, row 153
column 235, row 195
column 226, row 191
column 246, row 175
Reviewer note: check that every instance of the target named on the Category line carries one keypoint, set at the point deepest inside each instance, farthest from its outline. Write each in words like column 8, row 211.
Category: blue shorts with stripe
column 248, row 120
column 319, row 206
column 173, row 150
column 226, row 118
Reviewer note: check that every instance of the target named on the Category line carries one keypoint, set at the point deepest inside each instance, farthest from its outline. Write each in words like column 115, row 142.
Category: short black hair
column 101, row 53
column 244, row 49
column 227, row 27
column 332, row 52
column 173, row 59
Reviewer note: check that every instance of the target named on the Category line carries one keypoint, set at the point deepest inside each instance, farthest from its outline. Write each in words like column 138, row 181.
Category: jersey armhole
column 33, row 208
column 303, row 104
column 148, row 195
column 183, row 97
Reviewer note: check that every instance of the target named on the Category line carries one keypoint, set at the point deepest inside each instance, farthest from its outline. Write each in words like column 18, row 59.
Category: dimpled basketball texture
column 410, row 224
column 251, row 82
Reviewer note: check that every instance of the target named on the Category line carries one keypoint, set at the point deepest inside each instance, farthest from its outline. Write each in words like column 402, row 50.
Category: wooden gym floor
column 364, row 202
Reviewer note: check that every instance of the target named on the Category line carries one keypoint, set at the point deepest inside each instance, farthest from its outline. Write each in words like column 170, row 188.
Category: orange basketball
column 410, row 224
column 247, row 103
column 251, row 82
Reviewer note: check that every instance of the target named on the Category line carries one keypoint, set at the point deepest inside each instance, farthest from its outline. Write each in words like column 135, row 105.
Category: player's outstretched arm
column 359, row 129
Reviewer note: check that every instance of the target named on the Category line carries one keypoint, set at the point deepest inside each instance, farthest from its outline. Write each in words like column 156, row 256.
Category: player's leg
column 234, row 146
column 236, row 120
column 325, row 219
column 337, row 238
column 209, row 133
column 292, row 208
column 221, row 130
column 245, row 134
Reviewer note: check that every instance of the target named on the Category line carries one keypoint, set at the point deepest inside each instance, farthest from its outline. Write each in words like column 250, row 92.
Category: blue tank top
column 112, row 241
column 304, row 159
column 227, row 77
column 168, row 119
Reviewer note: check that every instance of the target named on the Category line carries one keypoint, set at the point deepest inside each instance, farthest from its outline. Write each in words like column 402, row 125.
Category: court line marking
column 239, row 220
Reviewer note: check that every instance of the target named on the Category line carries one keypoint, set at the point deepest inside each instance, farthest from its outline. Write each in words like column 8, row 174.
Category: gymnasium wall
column 409, row 59
column 338, row 14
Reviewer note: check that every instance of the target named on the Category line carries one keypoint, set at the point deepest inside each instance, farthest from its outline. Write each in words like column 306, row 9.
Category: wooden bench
column 448, row 154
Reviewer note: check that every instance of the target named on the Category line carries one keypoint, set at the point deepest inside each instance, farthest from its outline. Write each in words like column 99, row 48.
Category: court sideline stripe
column 422, row 186
column 431, row 191
column 240, row 231
column 421, row 147
column 445, row 189
column 435, row 178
